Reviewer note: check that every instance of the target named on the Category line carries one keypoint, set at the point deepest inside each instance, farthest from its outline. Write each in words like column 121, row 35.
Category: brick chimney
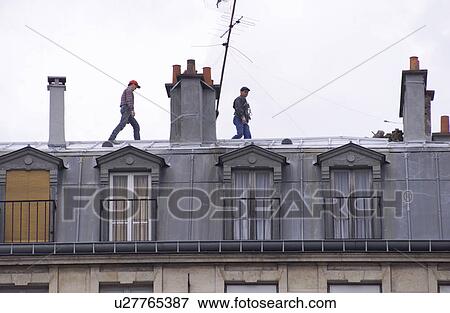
column 192, row 105
column 56, row 86
column 444, row 124
column 444, row 134
column 415, row 103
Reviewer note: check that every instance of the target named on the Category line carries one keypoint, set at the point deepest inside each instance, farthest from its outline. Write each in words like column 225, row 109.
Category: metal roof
column 297, row 143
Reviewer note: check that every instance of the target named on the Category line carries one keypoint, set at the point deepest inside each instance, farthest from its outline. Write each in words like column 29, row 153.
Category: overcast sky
column 295, row 47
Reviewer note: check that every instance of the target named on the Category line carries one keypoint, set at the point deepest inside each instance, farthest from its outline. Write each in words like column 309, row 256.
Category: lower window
column 354, row 288
column 444, row 287
column 125, row 288
column 251, row 288
column 31, row 288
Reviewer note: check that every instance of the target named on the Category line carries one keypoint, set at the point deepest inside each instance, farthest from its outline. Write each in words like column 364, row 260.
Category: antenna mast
column 226, row 44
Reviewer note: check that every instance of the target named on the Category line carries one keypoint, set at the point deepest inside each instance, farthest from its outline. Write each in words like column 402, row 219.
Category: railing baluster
column 265, row 218
column 242, row 218
column 341, row 220
column 20, row 228
column 4, row 221
column 28, row 225
column 37, row 221
column 128, row 211
column 353, row 216
column 114, row 222
column 364, row 221
column 45, row 221
column 52, row 217
column 21, row 219
column 11, row 208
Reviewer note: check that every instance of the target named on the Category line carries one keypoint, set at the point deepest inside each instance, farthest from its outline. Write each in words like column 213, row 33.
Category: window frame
column 351, row 156
column 365, row 284
column 257, row 284
column 443, row 284
column 30, row 288
column 31, row 159
column 350, row 201
column 250, row 157
column 129, row 159
column 248, row 216
column 127, row 288
column 130, row 195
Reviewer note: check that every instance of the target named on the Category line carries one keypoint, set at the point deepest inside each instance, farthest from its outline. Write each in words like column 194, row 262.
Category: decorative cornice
column 129, row 151
column 351, row 147
column 239, row 153
column 28, row 153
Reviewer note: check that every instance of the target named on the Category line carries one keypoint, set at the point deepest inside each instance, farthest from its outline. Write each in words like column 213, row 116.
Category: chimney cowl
column 56, row 80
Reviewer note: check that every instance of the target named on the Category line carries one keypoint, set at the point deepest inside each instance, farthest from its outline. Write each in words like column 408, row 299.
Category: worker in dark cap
column 127, row 111
column 242, row 115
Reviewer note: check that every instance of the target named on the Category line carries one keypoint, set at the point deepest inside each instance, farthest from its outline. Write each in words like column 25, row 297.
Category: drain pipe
column 303, row 196
column 408, row 209
column 439, row 203
column 80, row 173
column 191, row 185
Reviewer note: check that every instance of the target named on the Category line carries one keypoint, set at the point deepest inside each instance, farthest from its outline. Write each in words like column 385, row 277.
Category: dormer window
column 132, row 177
column 351, row 180
column 354, row 204
column 28, row 179
column 252, row 177
column 254, row 205
column 130, row 208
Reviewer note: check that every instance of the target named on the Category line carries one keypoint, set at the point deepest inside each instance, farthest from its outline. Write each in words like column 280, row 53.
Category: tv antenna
column 226, row 44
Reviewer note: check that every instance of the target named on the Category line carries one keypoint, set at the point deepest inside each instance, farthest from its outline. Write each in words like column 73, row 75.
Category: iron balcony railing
column 27, row 221
column 253, row 218
column 128, row 219
column 353, row 217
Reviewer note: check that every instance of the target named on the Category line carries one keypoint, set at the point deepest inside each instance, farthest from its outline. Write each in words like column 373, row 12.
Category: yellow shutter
column 27, row 221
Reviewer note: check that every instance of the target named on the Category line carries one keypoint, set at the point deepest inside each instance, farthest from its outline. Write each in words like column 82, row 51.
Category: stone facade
column 312, row 273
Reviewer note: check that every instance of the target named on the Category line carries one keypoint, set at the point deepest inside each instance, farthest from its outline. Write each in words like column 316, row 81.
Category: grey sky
column 296, row 46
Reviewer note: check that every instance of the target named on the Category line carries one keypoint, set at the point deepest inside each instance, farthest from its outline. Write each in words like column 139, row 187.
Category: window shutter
column 27, row 220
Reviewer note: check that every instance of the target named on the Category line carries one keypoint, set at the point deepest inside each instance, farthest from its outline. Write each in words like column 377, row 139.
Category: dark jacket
column 241, row 108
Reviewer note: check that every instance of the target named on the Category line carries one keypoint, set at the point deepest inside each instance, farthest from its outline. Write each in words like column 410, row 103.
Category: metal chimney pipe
column 56, row 86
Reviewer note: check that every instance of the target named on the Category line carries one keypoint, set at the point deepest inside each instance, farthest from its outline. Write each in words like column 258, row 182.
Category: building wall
column 192, row 275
